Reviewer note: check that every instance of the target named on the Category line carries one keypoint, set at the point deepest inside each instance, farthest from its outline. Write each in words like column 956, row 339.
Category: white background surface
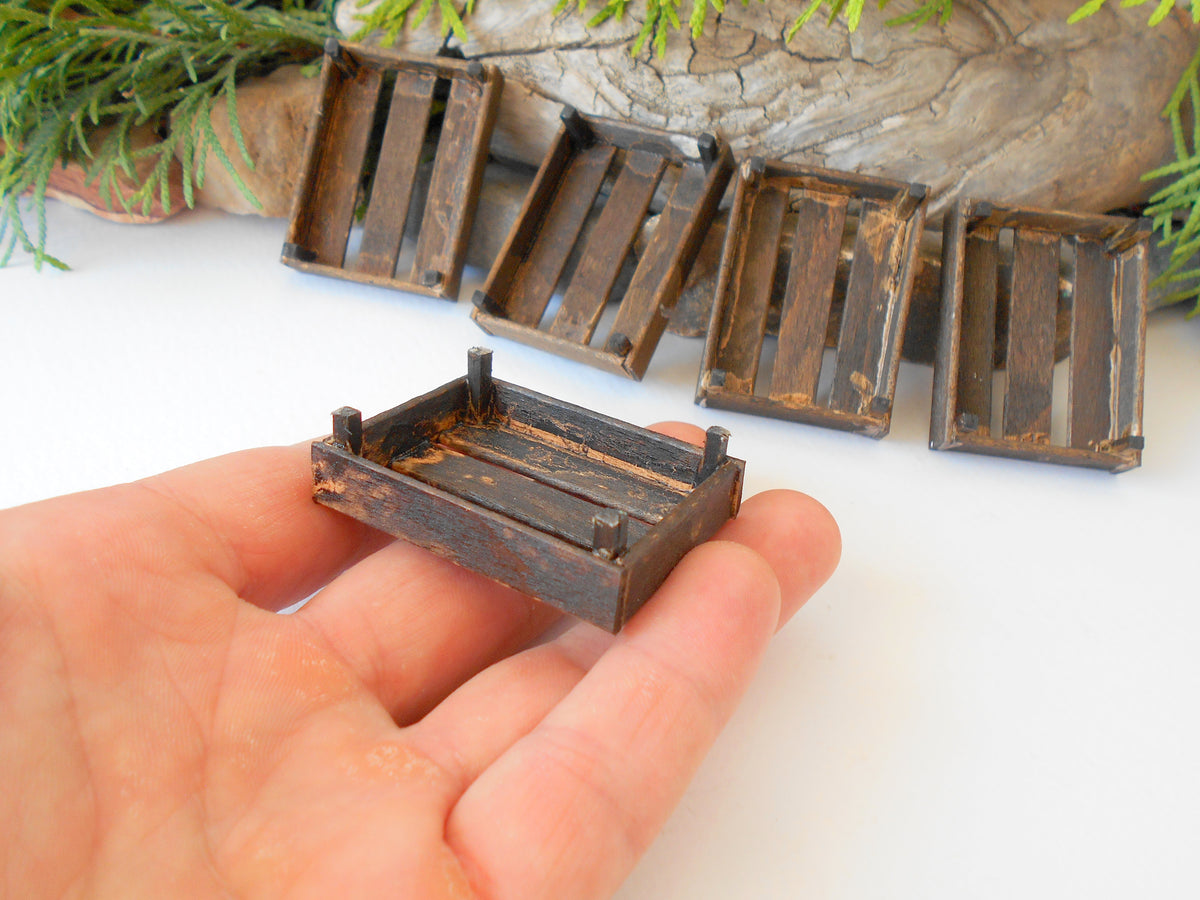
column 996, row 695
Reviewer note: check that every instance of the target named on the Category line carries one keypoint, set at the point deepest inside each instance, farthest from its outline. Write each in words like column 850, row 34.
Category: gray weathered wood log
column 1007, row 102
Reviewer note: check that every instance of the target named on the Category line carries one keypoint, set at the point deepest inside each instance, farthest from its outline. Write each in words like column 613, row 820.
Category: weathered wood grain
column 597, row 480
column 1107, row 341
column 533, row 562
column 395, row 174
column 1092, row 341
column 517, row 496
column 1131, row 341
column 617, row 226
column 454, row 185
column 1029, row 392
column 858, row 376
column 335, row 188
column 401, row 429
column 808, row 297
column 978, row 348
column 741, row 339
column 492, row 300
column 652, row 456
column 872, row 297
column 530, row 491
column 558, row 228
column 664, row 266
column 696, row 519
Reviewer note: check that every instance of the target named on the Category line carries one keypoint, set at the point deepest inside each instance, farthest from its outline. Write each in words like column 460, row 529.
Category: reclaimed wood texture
column 453, row 187
column 395, row 174
column 643, row 496
column 583, row 511
column 1107, row 336
column 664, row 266
column 537, row 275
column 543, row 506
column 1092, row 337
column 340, row 149
column 976, row 362
column 339, row 169
column 858, row 378
column 1131, row 342
column 808, row 297
column 800, row 274
column 750, row 291
column 1030, row 355
column 607, row 246
column 525, row 558
column 567, row 201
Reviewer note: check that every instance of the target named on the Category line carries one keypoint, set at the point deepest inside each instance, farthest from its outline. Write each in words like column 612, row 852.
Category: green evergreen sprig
column 390, row 17
column 77, row 77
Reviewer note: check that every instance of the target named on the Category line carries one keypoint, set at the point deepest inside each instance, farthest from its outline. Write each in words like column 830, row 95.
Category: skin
column 415, row 730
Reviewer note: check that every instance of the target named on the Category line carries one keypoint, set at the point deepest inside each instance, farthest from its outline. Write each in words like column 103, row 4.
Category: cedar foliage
column 78, row 76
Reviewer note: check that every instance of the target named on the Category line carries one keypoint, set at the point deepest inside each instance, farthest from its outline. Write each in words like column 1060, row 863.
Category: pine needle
column 77, row 77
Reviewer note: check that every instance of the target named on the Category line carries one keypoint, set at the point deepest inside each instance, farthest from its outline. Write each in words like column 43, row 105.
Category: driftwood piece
column 576, row 509
column 71, row 184
column 605, row 174
column 275, row 113
column 1006, row 101
column 1105, row 305
column 351, row 160
column 813, row 205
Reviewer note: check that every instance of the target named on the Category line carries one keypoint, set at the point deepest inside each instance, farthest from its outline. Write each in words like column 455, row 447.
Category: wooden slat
column 1092, row 336
column 977, row 347
column 696, row 519
column 1131, row 325
column 538, row 505
column 398, row 430
column 336, row 190
column 662, row 270
column 658, row 455
column 525, row 558
column 520, row 239
column 533, row 283
column 859, row 373
column 746, row 315
column 591, row 479
column 942, row 427
column 399, row 157
column 607, row 247
column 1030, row 357
column 808, row 297
column 451, row 182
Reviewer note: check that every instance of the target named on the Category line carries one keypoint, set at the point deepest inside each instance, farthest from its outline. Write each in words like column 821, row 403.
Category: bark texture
column 1006, row 102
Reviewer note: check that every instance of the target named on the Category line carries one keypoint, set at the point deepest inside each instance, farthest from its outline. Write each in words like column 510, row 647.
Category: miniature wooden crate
column 374, row 123
column 587, row 154
column 1092, row 269
column 576, row 509
column 814, row 207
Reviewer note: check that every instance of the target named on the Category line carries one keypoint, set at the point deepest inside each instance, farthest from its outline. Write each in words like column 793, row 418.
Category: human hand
column 411, row 731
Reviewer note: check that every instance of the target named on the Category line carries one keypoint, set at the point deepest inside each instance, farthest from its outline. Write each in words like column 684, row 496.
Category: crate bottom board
column 505, row 550
column 540, row 564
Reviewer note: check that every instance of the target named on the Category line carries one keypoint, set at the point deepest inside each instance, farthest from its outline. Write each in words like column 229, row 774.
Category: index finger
column 258, row 507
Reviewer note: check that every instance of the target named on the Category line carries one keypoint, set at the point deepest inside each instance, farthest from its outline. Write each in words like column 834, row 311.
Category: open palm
column 415, row 730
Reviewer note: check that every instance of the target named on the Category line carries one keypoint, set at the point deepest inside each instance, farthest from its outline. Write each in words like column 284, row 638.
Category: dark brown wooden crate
column 387, row 101
column 581, row 511
column 587, row 153
column 1092, row 269
column 820, row 210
